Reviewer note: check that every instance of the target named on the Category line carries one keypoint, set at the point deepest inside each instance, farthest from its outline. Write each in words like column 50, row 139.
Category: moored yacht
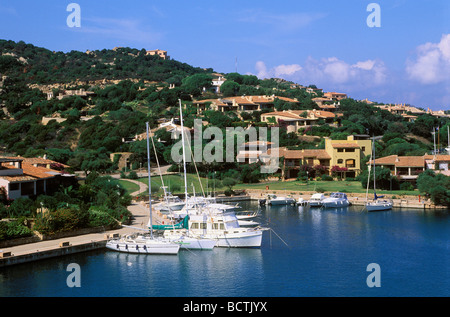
column 273, row 200
column 316, row 200
column 223, row 228
column 336, row 200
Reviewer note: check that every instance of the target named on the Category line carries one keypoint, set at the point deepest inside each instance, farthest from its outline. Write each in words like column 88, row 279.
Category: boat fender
column 145, row 247
column 126, row 246
column 117, row 246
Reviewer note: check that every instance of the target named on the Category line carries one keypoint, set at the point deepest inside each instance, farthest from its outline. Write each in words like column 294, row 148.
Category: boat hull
column 336, row 204
column 189, row 243
column 143, row 248
column 378, row 206
column 315, row 203
column 281, row 202
column 240, row 240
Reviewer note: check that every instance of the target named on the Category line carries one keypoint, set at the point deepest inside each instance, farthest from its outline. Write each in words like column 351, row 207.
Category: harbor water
column 309, row 252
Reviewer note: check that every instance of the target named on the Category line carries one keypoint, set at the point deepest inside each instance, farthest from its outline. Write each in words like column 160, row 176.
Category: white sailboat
column 211, row 222
column 186, row 238
column 139, row 243
column 376, row 204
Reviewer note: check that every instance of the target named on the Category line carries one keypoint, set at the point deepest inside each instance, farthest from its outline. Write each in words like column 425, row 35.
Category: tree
column 229, row 182
column 435, row 186
column 384, row 179
column 194, row 84
column 338, row 171
column 229, row 88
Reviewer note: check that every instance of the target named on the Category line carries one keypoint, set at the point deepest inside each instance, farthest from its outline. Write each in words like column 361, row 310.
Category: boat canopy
column 338, row 195
column 183, row 224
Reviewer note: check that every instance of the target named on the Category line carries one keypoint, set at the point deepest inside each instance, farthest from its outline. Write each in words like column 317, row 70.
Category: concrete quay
column 357, row 199
column 69, row 245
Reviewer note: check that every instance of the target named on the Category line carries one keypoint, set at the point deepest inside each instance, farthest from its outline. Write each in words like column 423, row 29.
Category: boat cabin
column 205, row 223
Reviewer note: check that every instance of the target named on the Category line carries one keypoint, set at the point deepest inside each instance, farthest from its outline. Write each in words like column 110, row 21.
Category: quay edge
column 9, row 258
column 356, row 199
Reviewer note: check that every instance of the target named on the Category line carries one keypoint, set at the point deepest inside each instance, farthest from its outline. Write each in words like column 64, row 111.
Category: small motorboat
column 336, row 200
column 316, row 200
column 279, row 200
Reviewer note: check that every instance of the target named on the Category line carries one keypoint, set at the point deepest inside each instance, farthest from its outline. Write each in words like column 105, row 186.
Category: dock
column 356, row 199
column 45, row 249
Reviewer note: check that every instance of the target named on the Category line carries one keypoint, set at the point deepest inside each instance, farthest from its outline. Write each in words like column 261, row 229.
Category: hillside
column 31, row 64
column 79, row 107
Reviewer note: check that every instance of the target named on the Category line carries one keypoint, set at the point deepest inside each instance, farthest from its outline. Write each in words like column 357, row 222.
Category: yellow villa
column 342, row 155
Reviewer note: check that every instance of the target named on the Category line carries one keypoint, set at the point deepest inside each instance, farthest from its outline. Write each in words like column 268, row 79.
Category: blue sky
column 326, row 43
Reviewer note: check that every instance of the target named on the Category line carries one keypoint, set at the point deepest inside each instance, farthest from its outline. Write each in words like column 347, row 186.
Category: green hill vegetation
column 130, row 88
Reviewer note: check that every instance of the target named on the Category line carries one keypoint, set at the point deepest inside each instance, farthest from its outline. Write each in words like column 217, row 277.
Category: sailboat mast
column 374, row 181
column 149, row 183
column 184, row 154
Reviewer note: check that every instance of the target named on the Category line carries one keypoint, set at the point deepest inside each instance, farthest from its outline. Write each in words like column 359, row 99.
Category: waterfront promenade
column 57, row 247
column 79, row 243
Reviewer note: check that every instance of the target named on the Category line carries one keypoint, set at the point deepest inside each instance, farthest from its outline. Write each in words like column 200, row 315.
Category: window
column 350, row 150
column 340, row 150
column 340, row 161
column 14, row 186
column 350, row 163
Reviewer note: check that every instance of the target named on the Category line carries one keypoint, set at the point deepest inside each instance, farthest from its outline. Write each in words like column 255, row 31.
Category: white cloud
column 282, row 70
column 329, row 71
column 432, row 63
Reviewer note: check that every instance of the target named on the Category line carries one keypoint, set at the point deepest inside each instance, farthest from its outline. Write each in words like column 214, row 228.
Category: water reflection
column 326, row 254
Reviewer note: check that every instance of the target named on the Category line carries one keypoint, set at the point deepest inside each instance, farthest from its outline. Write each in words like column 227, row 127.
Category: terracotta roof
column 18, row 178
column 439, row 157
column 32, row 160
column 322, row 114
column 410, row 161
column 297, row 114
column 286, row 114
column 38, row 172
column 286, row 99
column 387, row 160
column 401, row 161
column 327, row 106
column 245, row 100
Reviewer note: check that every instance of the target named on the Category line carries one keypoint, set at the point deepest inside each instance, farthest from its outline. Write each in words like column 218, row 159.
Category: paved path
column 140, row 220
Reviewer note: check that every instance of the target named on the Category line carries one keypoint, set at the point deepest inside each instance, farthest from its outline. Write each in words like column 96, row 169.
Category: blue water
column 310, row 252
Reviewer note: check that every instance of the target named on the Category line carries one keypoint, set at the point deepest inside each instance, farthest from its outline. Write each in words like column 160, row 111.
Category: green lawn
column 129, row 186
column 328, row 186
column 175, row 183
